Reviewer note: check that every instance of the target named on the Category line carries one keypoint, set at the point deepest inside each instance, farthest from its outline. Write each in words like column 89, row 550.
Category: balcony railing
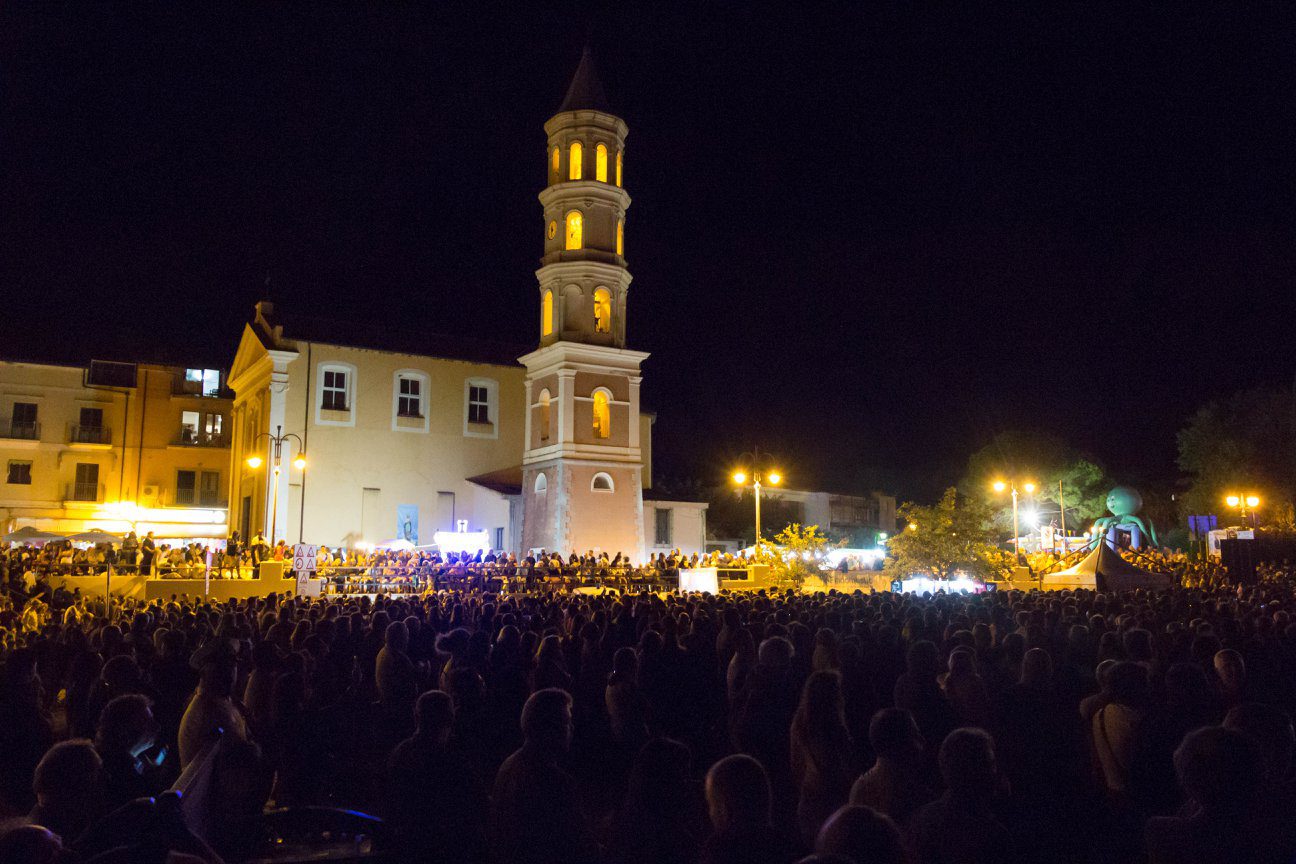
column 90, row 435
column 20, row 431
column 190, row 438
column 83, row 492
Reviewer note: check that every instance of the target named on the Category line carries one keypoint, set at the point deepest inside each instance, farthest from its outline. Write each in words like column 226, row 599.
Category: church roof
column 506, row 481
column 586, row 90
column 398, row 338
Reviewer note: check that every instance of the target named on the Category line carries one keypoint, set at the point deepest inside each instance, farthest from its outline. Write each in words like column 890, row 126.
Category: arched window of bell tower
column 575, row 230
column 621, row 237
column 602, row 414
column 574, row 158
column 618, row 168
column 602, row 311
column 544, row 414
column 600, row 163
column 546, row 314
column 553, row 166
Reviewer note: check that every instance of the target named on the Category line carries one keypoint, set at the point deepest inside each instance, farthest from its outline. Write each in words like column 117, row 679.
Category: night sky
column 866, row 239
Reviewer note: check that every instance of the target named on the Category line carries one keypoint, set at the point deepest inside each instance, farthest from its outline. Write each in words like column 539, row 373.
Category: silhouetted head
column 738, row 794
column 861, row 834
column 547, row 719
column 1271, row 728
column 894, row 734
column 434, row 714
column 1219, row 769
column 967, row 762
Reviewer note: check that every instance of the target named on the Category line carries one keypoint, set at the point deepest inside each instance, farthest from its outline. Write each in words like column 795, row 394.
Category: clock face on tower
column 553, row 230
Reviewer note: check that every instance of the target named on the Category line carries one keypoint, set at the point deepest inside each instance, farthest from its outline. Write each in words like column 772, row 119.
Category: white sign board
column 304, row 557
column 700, row 579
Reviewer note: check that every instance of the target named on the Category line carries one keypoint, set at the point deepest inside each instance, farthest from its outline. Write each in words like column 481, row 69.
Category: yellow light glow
column 575, row 230
column 602, row 415
column 620, row 236
column 1000, row 485
column 574, row 161
column 300, row 462
column 618, row 170
column 1233, row 500
column 1029, row 487
column 555, row 163
column 1253, row 501
column 254, row 462
column 602, row 311
column 739, row 477
column 913, row 526
column 600, row 163
column 546, row 314
column 775, row 478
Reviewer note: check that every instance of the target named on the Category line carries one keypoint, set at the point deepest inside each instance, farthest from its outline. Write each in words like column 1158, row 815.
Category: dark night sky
column 866, row 238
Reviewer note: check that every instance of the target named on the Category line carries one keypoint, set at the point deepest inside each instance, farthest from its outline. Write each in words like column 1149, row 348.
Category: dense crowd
column 554, row 727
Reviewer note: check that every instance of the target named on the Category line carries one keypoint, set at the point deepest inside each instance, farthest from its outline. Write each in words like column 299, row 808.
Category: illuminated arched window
column 620, row 236
column 575, row 230
column 544, row 414
column 602, row 311
column 574, row 161
column 618, row 168
column 602, row 415
column 600, row 163
column 553, row 170
column 546, row 314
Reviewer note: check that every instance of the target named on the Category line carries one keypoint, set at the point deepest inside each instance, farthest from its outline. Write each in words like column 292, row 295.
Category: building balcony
column 190, row 438
column 89, row 435
column 91, row 492
column 20, row 431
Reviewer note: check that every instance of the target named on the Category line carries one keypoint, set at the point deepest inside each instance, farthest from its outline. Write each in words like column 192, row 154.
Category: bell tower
column 582, row 466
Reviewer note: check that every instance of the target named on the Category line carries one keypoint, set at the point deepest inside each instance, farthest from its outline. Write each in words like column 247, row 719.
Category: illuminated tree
column 953, row 537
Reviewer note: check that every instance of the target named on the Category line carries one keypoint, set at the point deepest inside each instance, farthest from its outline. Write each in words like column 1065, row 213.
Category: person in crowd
column 69, row 789
column 821, row 748
column 861, row 834
column 896, row 785
column 537, row 812
column 212, row 712
column 961, row 825
column 660, row 820
column 739, row 806
column 126, row 733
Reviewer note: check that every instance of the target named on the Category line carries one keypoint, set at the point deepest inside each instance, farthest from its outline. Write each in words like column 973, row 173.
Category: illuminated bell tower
column 582, row 466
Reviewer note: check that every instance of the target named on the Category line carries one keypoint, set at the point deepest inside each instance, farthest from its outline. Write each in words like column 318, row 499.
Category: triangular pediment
column 252, row 354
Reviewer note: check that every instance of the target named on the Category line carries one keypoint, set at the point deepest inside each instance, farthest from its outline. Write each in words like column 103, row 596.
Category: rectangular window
column 409, row 401
column 20, row 473
column 499, row 539
column 186, row 482
column 478, row 404
column 334, row 390
column 92, row 418
column 661, row 526
column 212, row 424
column 23, row 421
column 205, row 381
column 209, row 489
column 86, row 487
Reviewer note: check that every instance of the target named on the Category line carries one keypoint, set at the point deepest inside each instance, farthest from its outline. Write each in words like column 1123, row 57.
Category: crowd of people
column 545, row 726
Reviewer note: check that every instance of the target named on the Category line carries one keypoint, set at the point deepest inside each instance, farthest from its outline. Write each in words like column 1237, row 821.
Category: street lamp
column 1245, row 504
column 1029, row 488
column 756, row 472
column 276, row 461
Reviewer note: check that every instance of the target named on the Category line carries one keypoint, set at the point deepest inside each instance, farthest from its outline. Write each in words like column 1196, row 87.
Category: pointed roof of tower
column 586, row 90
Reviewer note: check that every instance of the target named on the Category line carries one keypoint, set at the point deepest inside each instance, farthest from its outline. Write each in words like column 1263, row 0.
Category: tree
column 800, row 549
column 1245, row 444
column 1043, row 460
column 952, row 537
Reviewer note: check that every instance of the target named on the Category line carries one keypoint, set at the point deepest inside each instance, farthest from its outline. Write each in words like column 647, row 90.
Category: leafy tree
column 1045, row 460
column 1247, row 443
column 952, row 537
column 801, row 547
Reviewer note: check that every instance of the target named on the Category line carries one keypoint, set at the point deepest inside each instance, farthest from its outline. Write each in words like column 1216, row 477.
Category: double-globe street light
column 755, row 470
column 1029, row 488
column 1246, row 505
column 254, row 461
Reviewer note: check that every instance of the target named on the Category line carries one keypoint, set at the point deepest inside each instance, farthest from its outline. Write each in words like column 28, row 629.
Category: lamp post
column 1246, row 505
column 277, row 440
column 754, row 472
column 1029, row 488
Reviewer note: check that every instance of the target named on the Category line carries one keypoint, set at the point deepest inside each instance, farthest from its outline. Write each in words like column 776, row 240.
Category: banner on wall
column 407, row 522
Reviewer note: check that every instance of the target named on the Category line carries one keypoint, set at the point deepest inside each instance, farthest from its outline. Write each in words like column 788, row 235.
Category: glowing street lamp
column 1245, row 504
column 756, row 473
column 276, row 461
column 1029, row 488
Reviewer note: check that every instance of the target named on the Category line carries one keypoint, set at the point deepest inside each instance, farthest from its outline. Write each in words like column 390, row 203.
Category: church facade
column 541, row 449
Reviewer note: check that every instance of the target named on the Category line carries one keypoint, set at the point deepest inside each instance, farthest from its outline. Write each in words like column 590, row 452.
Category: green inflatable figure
column 1124, row 502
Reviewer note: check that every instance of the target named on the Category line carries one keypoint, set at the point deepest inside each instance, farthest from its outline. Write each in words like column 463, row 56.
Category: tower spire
column 585, row 92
